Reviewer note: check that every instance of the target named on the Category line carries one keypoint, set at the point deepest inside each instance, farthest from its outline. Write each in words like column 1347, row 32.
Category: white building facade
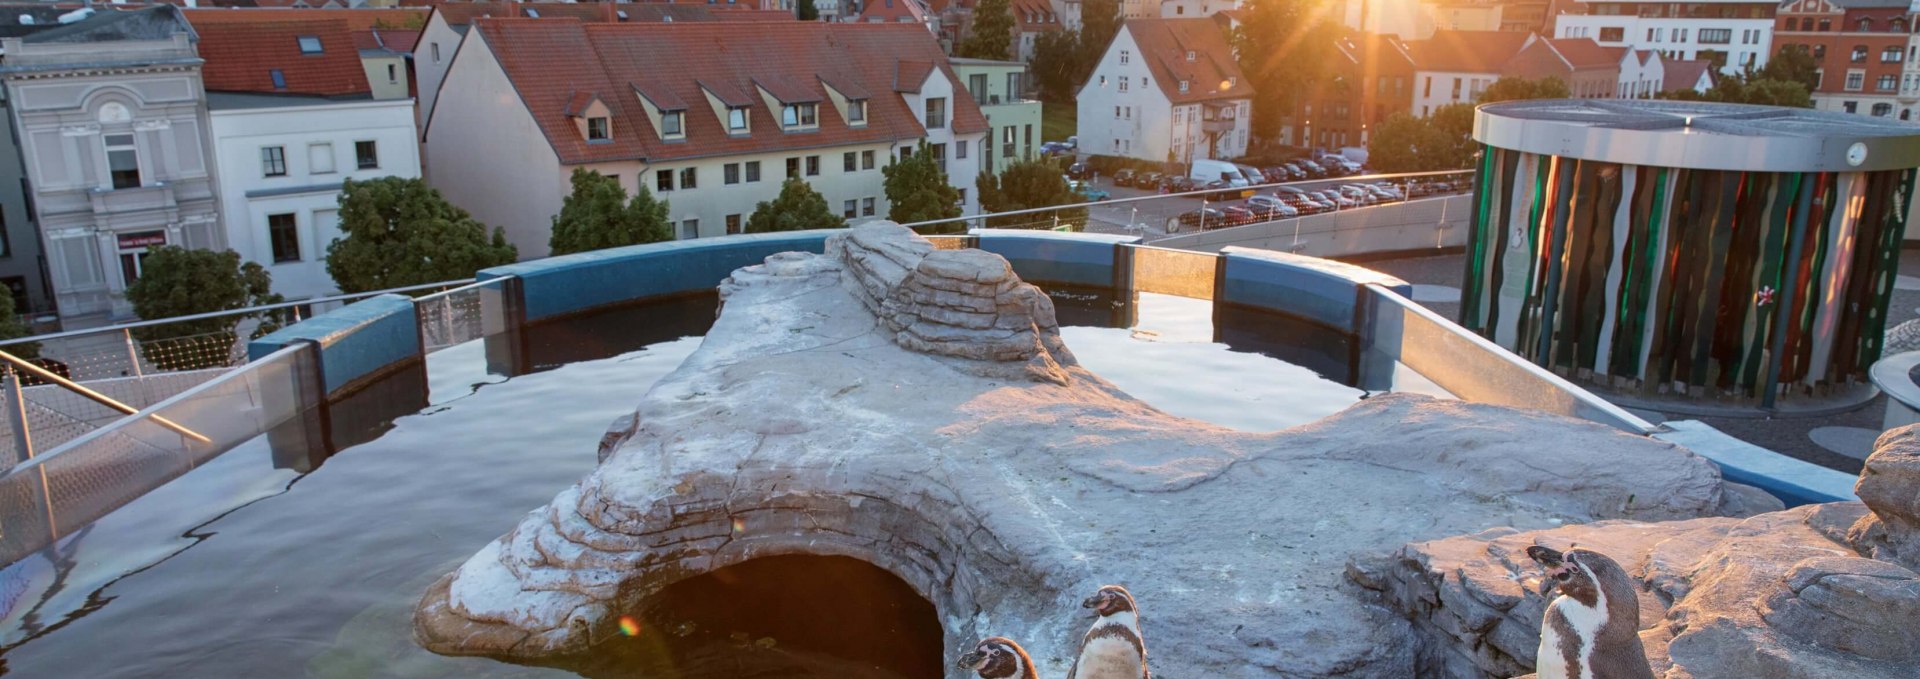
column 1733, row 34
column 282, row 161
column 1148, row 98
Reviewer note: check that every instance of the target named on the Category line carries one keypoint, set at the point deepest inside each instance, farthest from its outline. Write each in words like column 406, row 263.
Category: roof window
column 533, row 13
column 1189, row 55
column 310, row 44
column 279, row 79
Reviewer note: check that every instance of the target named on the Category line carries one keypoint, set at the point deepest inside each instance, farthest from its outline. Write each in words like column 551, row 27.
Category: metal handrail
column 95, row 396
column 1189, row 194
column 230, row 312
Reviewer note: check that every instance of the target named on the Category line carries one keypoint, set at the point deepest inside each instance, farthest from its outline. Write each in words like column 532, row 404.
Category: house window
column 1855, row 79
column 1850, row 106
column 866, row 160
column 1866, row 25
column 1883, row 109
column 866, row 207
column 960, row 150
column 1891, row 55
column 733, row 224
column 1819, row 52
column 798, row 115
column 393, row 73
column 977, row 85
column 849, row 209
column 753, row 171
column 663, row 181
column 1825, row 25
column 1859, row 54
column 936, row 113
column 847, row 162
column 689, row 178
column 1183, row 86
column 273, row 161
column 320, row 158
column 857, row 111
column 597, row 129
column 279, row 79
column 1189, row 55
column 284, row 233
column 134, row 248
column 1124, row 54
column 123, row 161
column 730, row 173
column 690, row 229
column 1614, row 34
column 939, row 152
column 1887, row 83
column 1123, row 83
column 670, row 124
column 736, row 118
column 309, row 44
column 436, row 52
column 793, row 167
column 813, row 166
column 1716, row 36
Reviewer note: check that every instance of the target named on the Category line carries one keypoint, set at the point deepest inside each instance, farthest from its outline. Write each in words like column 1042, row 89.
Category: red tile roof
column 242, row 57
column 1683, row 74
column 463, row 13
column 1212, row 74
column 1585, row 53
column 893, row 11
column 357, row 19
column 551, row 63
column 1035, row 16
column 1467, row 51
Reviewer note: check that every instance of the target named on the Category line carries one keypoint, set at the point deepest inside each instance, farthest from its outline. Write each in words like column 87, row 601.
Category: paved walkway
column 1839, row 441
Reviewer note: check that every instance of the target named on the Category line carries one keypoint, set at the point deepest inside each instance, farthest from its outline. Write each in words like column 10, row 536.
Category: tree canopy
column 804, row 10
column 12, row 326
column 1443, row 140
column 598, row 215
column 175, row 281
column 918, row 190
column 1284, row 48
column 991, row 34
column 396, row 232
column 1025, row 185
column 1512, row 88
column 797, row 208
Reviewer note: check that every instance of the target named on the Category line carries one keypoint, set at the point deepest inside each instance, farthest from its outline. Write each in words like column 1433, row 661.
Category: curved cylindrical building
column 1699, row 249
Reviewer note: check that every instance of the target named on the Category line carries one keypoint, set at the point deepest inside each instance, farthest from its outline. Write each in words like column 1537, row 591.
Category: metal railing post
column 133, row 352
column 17, row 411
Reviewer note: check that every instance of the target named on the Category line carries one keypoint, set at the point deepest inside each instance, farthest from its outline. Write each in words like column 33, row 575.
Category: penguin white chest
column 1109, row 658
column 1584, row 622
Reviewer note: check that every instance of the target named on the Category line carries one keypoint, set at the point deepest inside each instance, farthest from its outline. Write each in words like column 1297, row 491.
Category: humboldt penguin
column 1592, row 630
column 1112, row 648
column 999, row 658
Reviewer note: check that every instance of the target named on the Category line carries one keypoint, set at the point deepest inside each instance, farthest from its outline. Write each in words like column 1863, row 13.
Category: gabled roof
column 1685, row 73
column 243, row 56
column 1212, row 73
column 893, row 11
column 459, row 15
column 1467, row 51
column 1374, row 50
column 1585, row 53
column 550, row 61
column 1035, row 16
column 392, row 20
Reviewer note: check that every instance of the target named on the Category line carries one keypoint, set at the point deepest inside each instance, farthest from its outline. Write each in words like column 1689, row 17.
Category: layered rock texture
column 916, row 409
column 1814, row 591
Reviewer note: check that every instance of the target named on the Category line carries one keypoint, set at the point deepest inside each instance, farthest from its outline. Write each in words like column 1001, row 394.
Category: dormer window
column 1183, row 86
column 857, row 111
column 1234, row 81
column 309, row 44
column 799, row 115
column 670, row 124
column 736, row 119
column 1189, row 55
column 598, row 130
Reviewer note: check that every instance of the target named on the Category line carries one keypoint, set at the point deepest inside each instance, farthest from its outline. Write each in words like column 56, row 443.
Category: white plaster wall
column 1441, row 94
column 312, row 197
column 430, row 68
column 1635, row 35
column 960, row 172
column 488, row 156
column 1099, row 130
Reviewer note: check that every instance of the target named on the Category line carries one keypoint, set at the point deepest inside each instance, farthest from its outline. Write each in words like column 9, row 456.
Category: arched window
column 1859, row 54
column 1819, row 52
column 1866, row 25
column 1825, row 25
column 1898, row 25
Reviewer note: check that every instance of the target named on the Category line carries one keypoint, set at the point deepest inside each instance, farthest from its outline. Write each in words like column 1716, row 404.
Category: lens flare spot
column 629, row 626
column 739, row 525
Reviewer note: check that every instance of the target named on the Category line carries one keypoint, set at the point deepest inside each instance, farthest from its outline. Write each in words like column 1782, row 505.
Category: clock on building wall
column 1857, row 154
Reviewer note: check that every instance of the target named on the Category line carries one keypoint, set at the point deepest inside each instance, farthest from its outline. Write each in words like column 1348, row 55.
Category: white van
column 1203, row 171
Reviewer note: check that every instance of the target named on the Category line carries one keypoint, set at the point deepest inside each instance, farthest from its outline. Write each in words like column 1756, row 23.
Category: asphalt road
column 1150, row 217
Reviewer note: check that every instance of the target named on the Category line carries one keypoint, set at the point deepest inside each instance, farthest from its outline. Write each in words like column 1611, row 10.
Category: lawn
column 1057, row 121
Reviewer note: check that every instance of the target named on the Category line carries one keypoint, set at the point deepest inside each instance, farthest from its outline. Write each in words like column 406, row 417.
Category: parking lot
column 1149, row 217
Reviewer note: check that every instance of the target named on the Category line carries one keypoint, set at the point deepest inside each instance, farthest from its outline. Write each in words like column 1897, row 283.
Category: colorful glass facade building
column 1687, row 248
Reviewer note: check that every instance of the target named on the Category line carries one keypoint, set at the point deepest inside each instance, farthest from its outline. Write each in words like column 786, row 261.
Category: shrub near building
column 396, row 232
column 175, row 281
column 598, row 215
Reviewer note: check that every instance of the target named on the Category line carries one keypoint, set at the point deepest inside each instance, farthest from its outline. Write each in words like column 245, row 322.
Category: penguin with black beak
column 1113, row 647
column 1592, row 629
column 999, row 658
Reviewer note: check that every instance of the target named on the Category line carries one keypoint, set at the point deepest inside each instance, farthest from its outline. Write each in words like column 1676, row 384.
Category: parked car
column 1226, row 190
column 1308, row 205
column 1253, row 175
column 1079, row 171
column 1150, row 180
column 1270, row 207
column 1295, row 170
column 1054, row 148
column 1124, row 177
column 1238, row 215
column 1177, row 184
column 1088, row 192
column 1197, row 219
column 1339, row 201
column 1313, row 170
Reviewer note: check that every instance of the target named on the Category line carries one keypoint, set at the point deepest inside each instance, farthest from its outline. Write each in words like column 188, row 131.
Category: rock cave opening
column 775, row 616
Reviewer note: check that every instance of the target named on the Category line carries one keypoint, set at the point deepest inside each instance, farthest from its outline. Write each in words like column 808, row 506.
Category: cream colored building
column 713, row 137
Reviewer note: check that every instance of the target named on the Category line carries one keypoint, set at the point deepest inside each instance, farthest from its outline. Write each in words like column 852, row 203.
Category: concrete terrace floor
column 1838, row 441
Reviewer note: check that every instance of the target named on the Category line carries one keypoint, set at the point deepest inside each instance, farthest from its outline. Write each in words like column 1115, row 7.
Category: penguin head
column 1578, row 573
column 1109, row 600
column 996, row 657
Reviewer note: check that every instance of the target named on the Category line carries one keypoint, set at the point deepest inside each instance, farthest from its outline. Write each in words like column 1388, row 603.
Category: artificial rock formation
column 1824, row 590
column 915, row 408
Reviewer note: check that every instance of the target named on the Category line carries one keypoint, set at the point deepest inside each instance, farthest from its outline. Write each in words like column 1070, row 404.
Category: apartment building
column 1732, row 34
column 1863, row 50
column 1013, row 120
column 1166, row 89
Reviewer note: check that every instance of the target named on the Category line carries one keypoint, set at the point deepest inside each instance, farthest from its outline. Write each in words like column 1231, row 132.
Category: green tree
column 175, row 281
column 991, row 33
column 1512, row 88
column 797, row 208
column 805, row 11
column 1791, row 64
column 1029, row 184
column 1748, row 88
column 918, row 189
column 12, row 326
column 1442, row 141
column 396, row 232
column 1055, row 66
column 1099, row 22
column 598, row 215
column 1284, row 48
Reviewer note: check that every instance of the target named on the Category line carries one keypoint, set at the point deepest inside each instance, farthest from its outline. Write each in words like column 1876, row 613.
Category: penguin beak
column 1091, row 602
column 1551, row 561
column 971, row 660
